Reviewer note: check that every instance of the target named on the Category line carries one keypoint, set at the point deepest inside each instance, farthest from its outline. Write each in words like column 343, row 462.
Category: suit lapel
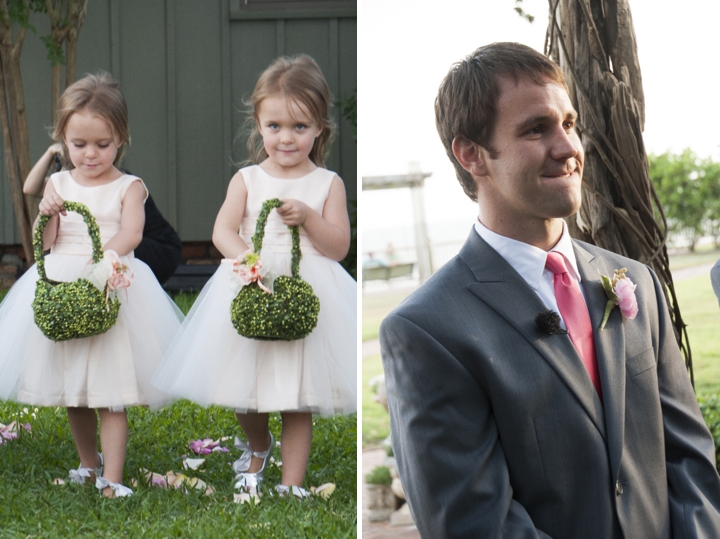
column 609, row 348
column 506, row 292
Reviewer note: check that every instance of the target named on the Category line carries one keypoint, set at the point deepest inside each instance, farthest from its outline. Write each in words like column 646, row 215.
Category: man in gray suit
column 509, row 420
column 715, row 279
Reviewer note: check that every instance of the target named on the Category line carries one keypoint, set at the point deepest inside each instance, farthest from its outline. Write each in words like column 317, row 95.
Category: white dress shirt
column 529, row 262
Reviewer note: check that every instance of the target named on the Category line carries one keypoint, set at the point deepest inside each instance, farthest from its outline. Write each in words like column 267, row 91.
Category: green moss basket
column 291, row 311
column 65, row 311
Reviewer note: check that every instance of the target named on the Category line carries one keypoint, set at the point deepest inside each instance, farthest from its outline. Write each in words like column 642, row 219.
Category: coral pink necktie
column 575, row 315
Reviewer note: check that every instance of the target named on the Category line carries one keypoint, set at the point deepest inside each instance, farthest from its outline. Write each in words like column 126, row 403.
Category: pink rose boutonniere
column 621, row 293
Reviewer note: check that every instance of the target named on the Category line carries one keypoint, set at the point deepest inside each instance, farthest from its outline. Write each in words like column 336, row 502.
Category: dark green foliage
column 74, row 310
column 710, row 408
column 31, row 506
column 348, row 109
column 689, row 191
column 291, row 311
column 380, row 475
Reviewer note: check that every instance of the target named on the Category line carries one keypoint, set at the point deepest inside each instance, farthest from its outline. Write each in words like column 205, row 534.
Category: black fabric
column 160, row 248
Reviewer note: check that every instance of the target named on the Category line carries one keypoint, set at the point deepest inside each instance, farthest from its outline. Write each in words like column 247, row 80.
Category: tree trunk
column 14, row 125
column 77, row 9
column 594, row 42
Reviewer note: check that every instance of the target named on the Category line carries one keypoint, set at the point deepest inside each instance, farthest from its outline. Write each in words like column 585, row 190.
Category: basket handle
column 257, row 238
column 93, row 231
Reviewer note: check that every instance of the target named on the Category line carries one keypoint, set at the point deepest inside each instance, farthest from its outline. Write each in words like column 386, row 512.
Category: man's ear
column 470, row 155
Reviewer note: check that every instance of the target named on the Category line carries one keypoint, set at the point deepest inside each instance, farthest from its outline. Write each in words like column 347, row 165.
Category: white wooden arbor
column 414, row 181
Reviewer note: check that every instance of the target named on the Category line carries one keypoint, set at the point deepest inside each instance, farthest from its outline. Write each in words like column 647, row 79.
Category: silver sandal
column 80, row 474
column 250, row 481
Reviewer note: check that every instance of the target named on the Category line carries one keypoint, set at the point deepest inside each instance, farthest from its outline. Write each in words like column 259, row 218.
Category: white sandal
column 298, row 492
column 120, row 490
column 80, row 474
column 247, row 481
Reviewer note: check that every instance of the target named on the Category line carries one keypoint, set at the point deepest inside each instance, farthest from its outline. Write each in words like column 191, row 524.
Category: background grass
column 31, row 506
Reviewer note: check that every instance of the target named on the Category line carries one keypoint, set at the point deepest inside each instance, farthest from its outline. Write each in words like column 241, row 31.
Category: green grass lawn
column 376, row 421
column 375, row 307
column 32, row 506
column 701, row 313
column 699, row 257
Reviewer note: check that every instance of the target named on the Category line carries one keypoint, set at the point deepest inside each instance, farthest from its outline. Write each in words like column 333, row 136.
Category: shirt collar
column 526, row 259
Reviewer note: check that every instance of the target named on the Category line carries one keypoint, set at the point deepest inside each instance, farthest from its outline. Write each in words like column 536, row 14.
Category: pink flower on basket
column 248, row 269
column 625, row 291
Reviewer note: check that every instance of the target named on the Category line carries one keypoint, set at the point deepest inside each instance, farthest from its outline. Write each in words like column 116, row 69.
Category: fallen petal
column 192, row 464
column 325, row 490
column 58, row 481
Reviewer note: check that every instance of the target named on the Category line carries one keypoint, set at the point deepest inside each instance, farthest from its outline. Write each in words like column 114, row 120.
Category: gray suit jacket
column 498, row 431
column 715, row 279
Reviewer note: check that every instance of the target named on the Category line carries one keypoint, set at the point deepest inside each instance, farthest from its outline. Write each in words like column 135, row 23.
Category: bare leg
column 295, row 444
column 113, row 439
column 255, row 427
column 83, row 425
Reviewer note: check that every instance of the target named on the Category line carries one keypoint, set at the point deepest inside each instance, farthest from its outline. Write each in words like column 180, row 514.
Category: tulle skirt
column 112, row 370
column 209, row 363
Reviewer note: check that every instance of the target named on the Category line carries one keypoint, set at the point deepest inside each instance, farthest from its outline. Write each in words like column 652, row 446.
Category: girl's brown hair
column 299, row 79
column 100, row 95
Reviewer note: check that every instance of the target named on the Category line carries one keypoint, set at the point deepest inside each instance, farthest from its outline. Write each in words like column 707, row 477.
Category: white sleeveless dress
column 112, row 370
column 209, row 363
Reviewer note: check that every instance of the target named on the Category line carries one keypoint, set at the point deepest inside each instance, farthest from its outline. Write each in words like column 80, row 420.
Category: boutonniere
column 621, row 292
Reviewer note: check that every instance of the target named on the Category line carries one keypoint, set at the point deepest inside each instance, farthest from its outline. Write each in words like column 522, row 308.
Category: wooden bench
column 385, row 273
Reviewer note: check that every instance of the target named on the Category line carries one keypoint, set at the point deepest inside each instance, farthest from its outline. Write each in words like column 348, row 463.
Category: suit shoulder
column 615, row 260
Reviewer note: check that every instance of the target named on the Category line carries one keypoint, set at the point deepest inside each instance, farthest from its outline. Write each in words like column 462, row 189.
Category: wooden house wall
column 185, row 67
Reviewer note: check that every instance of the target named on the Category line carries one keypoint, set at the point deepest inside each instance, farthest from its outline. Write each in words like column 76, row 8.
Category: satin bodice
column 312, row 189
column 104, row 202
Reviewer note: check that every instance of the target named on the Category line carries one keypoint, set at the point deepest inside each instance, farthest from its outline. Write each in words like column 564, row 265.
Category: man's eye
column 538, row 129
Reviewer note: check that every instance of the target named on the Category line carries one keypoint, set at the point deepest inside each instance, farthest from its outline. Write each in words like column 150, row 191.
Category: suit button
column 618, row 488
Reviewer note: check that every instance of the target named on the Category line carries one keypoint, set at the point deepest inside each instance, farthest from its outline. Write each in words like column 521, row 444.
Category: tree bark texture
column 594, row 42
column 14, row 124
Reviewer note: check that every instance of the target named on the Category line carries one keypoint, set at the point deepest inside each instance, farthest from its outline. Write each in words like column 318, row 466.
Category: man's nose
column 565, row 145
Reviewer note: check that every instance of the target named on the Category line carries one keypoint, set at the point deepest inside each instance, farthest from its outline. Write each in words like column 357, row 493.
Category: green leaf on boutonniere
column 609, row 306
column 612, row 299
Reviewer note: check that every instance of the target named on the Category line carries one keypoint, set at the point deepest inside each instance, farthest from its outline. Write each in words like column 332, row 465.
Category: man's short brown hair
column 466, row 104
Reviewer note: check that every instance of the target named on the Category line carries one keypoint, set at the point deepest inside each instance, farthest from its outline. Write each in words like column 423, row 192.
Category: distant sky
column 406, row 50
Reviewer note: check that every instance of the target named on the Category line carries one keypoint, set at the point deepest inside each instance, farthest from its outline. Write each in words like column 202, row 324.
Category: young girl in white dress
column 210, row 363
column 103, row 374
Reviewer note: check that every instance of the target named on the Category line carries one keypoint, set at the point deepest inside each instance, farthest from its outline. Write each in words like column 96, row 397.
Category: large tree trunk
column 14, row 124
column 594, row 42
column 77, row 9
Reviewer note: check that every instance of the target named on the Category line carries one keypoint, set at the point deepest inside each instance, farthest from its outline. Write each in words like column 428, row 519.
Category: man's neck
column 543, row 235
